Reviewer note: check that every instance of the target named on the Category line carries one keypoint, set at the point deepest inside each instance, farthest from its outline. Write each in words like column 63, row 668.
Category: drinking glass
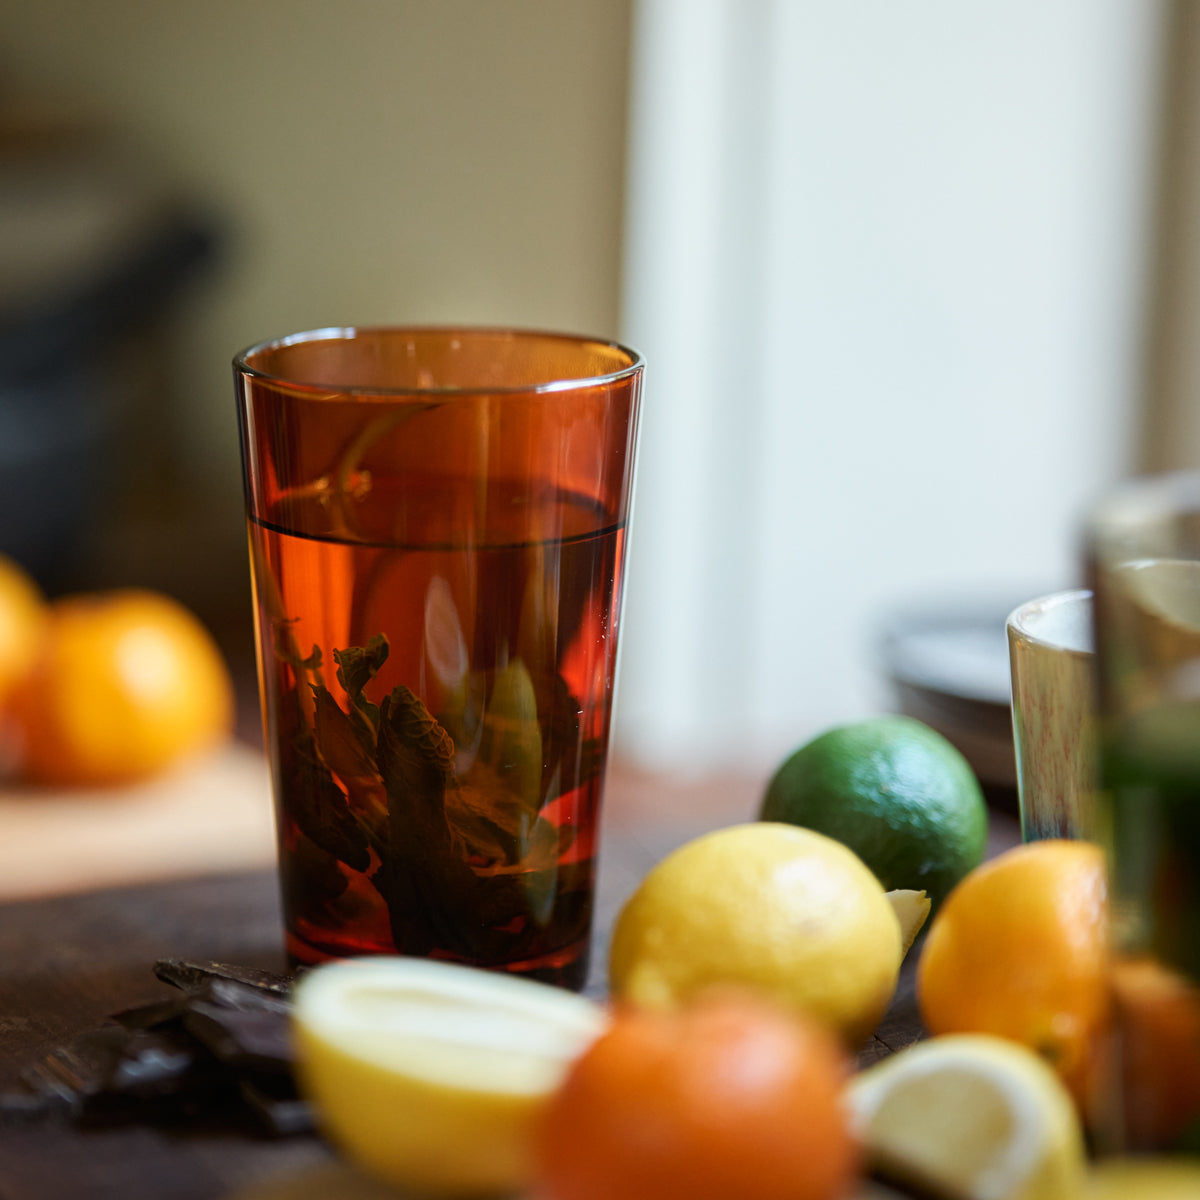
column 437, row 525
column 1053, row 713
column 1144, row 560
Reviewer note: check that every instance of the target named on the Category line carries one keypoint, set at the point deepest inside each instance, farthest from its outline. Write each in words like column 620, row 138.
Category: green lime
column 893, row 790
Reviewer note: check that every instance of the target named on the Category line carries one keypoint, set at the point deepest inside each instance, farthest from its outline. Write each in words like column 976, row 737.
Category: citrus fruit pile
column 448, row 1080
column 105, row 687
column 745, row 971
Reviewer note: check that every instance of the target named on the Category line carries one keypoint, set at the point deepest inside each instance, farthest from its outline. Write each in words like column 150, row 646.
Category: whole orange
column 726, row 1097
column 125, row 684
column 1019, row 949
column 22, row 618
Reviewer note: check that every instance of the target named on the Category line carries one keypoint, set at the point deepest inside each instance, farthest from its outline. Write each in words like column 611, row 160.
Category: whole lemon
column 893, row 790
column 125, row 684
column 784, row 911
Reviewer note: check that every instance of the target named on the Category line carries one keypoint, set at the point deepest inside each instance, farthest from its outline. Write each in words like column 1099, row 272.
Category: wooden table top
column 69, row 960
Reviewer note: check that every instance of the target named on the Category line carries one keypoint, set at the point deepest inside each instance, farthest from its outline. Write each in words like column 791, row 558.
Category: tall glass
column 1050, row 653
column 1144, row 555
column 437, row 526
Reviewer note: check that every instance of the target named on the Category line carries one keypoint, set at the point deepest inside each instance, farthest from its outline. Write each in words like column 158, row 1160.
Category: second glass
column 1144, row 554
column 1053, row 709
column 437, row 531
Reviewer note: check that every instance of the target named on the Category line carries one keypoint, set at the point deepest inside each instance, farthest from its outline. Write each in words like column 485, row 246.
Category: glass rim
column 1018, row 622
column 242, row 364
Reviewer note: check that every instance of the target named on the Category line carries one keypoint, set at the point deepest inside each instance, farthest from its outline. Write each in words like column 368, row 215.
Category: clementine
column 1157, row 1027
column 1019, row 949
column 727, row 1096
column 125, row 684
column 22, row 618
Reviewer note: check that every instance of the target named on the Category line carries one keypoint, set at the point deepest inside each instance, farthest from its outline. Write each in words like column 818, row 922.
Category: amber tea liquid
column 440, row 710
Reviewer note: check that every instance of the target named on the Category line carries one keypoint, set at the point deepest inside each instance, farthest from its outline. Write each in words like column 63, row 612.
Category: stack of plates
column 950, row 669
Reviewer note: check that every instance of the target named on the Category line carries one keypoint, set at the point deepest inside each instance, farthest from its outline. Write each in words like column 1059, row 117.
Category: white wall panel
column 887, row 263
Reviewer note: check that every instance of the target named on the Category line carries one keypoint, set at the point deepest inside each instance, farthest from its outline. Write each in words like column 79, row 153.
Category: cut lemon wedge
column 430, row 1075
column 912, row 911
column 970, row 1117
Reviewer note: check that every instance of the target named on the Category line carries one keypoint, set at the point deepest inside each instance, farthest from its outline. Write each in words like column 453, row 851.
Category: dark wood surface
column 66, row 963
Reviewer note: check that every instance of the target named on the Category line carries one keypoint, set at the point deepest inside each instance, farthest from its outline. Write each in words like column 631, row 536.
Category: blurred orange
column 1157, row 1026
column 1019, row 949
column 22, row 617
column 125, row 684
column 727, row 1097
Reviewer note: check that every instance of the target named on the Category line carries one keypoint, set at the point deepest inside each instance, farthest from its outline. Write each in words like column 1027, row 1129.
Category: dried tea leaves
column 462, row 855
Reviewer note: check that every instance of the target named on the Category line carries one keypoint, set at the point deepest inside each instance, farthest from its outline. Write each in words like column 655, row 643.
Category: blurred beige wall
column 373, row 161
column 1171, row 409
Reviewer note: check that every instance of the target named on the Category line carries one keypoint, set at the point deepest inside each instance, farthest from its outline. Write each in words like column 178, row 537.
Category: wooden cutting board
column 212, row 815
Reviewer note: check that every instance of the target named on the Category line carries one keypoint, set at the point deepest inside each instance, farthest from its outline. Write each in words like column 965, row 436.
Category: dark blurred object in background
column 93, row 250
column 947, row 665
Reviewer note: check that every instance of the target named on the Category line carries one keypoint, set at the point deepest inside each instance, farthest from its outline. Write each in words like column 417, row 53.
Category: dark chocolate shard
column 77, row 1071
column 63, row 1082
column 277, row 1107
column 154, row 1064
column 24, row 1107
column 190, row 976
column 155, row 1015
column 240, row 997
column 219, row 1050
column 252, row 1041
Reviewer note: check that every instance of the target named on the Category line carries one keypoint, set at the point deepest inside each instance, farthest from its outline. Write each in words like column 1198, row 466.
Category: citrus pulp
column 430, row 1075
column 971, row 1116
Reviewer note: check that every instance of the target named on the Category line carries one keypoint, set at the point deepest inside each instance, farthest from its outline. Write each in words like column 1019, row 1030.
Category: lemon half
column 1145, row 1179
column 971, row 1116
column 430, row 1075
column 912, row 910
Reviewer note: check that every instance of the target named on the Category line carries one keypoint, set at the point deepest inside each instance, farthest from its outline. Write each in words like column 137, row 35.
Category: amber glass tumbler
column 437, row 524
